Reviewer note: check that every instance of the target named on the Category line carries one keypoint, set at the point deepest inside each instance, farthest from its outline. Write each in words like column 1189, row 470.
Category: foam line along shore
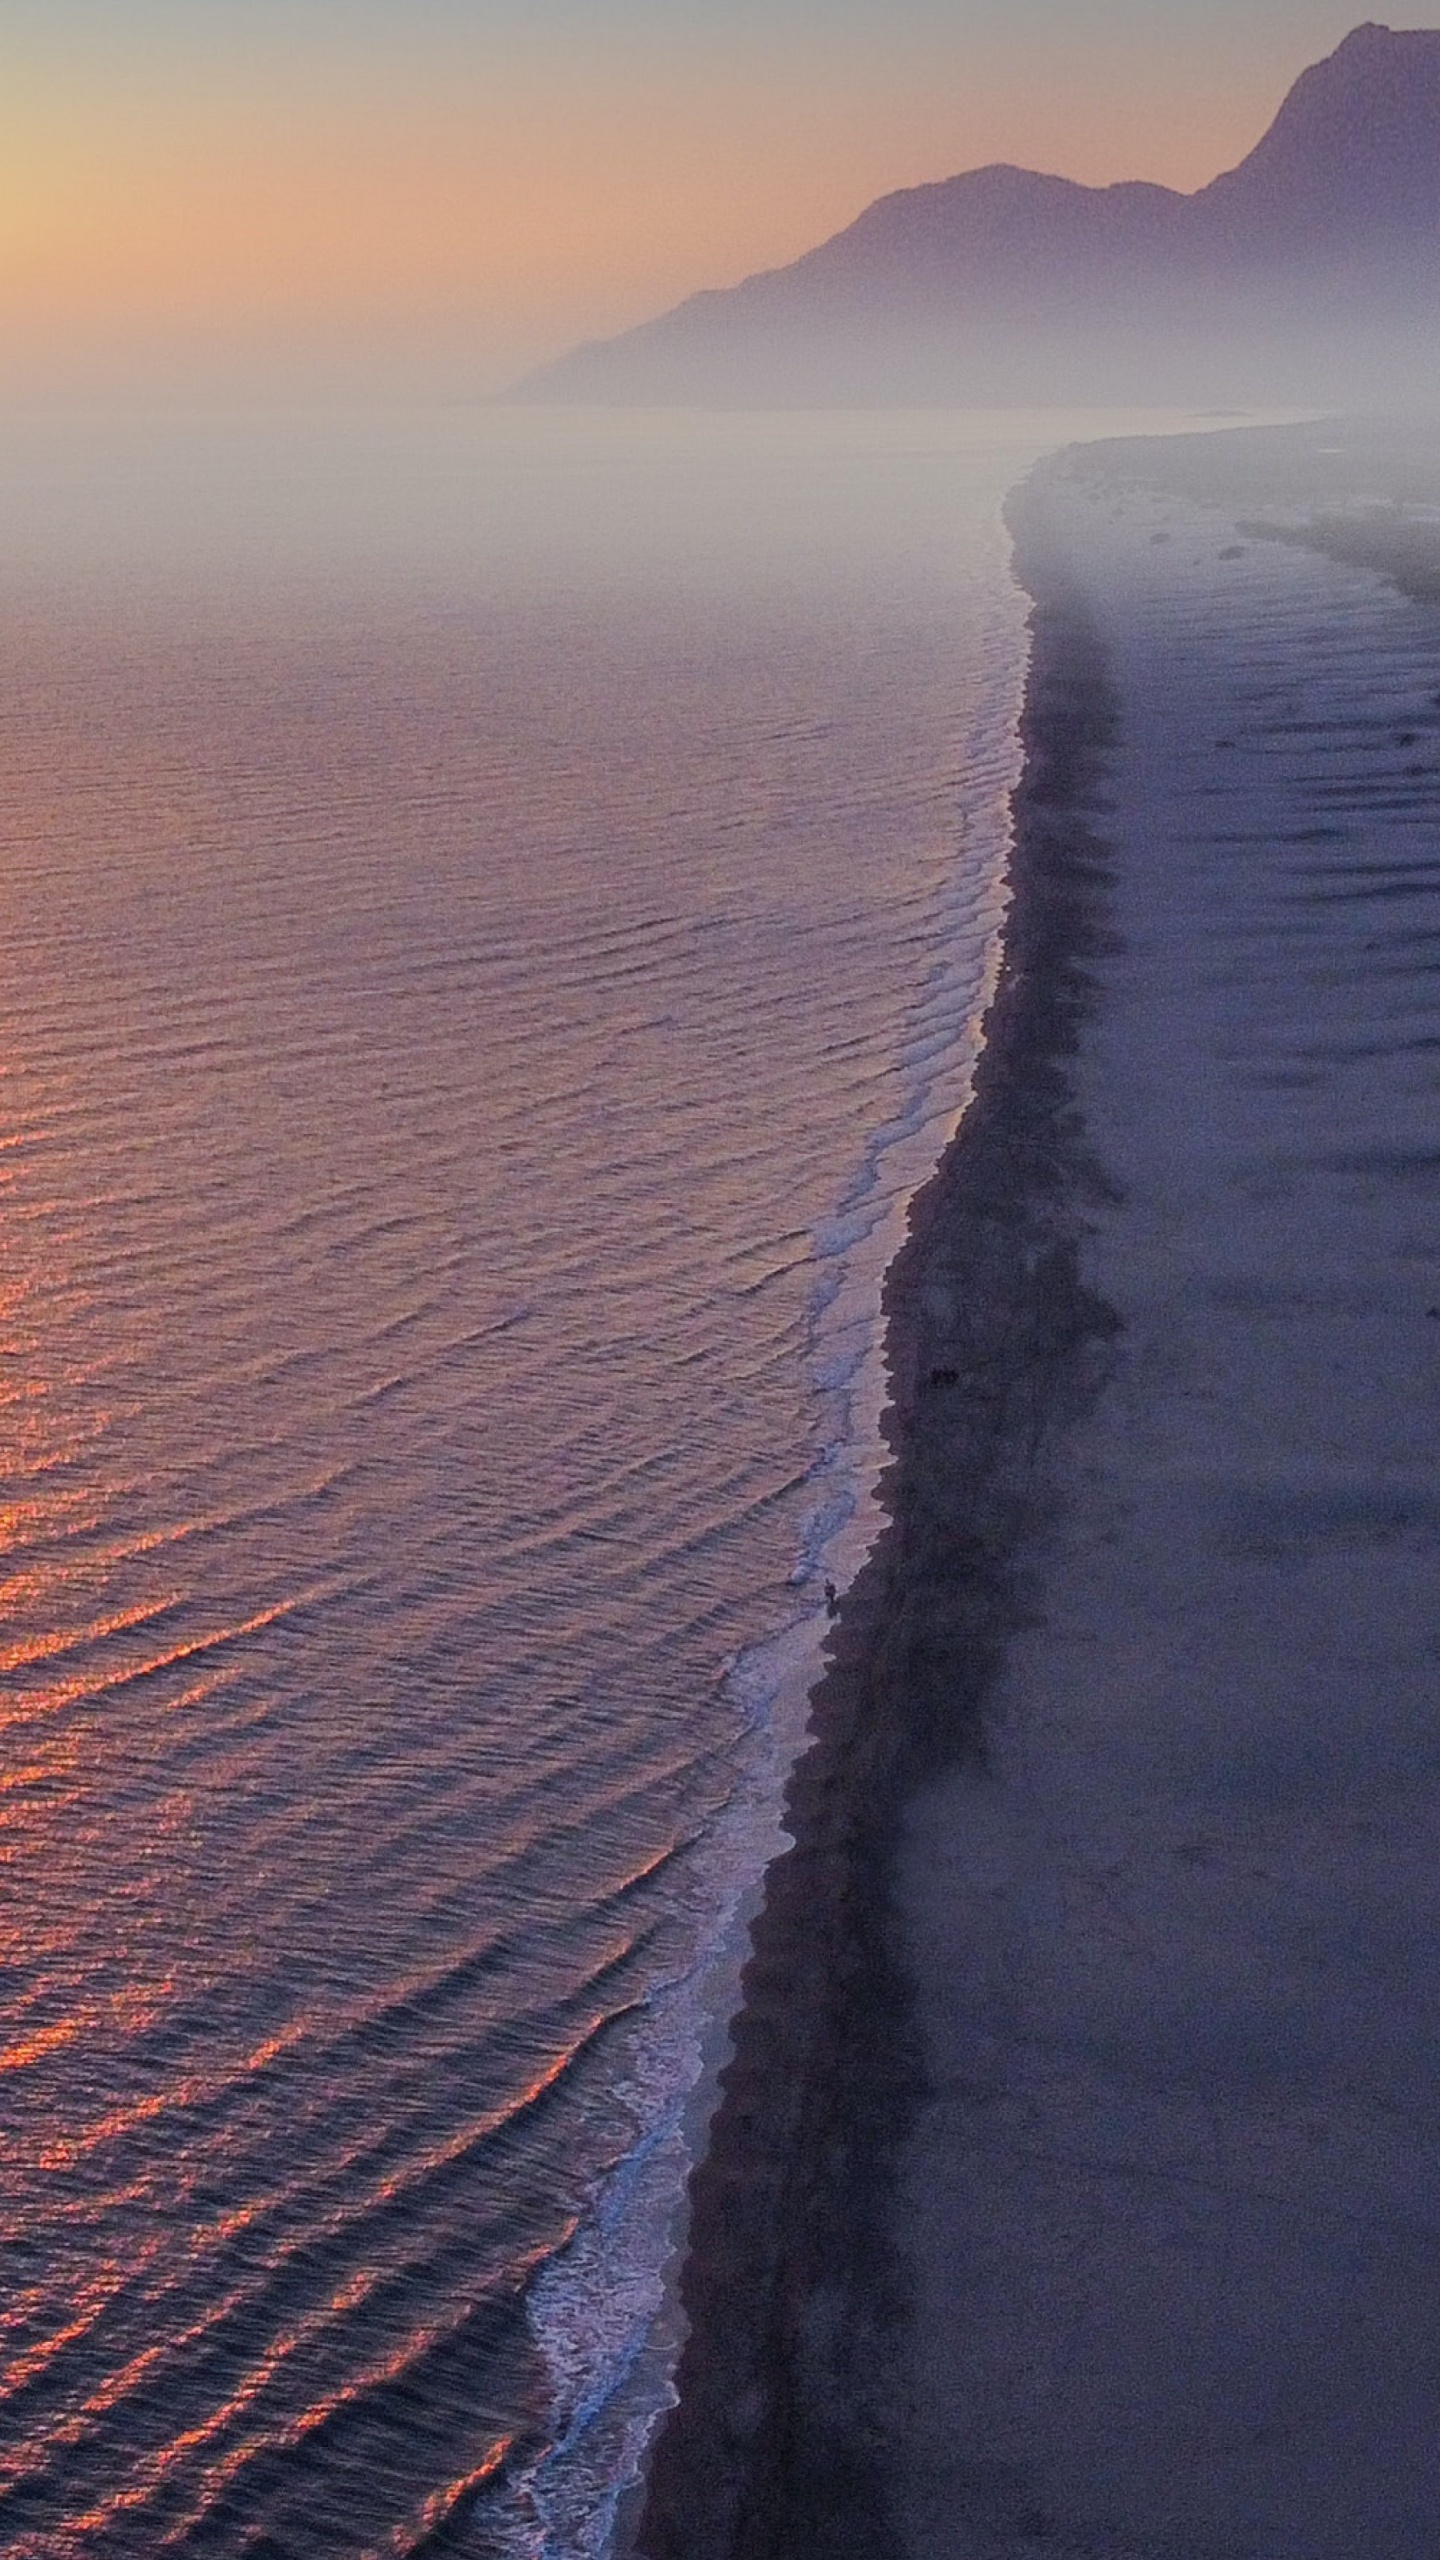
column 785, row 2431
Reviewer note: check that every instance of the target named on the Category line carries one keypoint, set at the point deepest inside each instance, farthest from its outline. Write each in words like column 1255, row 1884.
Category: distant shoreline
column 786, row 2422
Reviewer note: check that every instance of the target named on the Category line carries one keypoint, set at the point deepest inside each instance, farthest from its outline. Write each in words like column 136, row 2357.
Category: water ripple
column 467, row 1050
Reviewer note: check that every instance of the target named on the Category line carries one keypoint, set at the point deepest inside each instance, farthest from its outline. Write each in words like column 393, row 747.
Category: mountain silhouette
column 1311, row 271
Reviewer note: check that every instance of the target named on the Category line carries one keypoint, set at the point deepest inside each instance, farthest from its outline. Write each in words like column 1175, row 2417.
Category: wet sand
column 1074, row 2190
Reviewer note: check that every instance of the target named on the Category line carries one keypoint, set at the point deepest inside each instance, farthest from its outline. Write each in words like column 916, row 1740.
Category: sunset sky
column 430, row 194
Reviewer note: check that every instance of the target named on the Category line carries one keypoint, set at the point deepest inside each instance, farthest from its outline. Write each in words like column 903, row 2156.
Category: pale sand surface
column 1171, row 2210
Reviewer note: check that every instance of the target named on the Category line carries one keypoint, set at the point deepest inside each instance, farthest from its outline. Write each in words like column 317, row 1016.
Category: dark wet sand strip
column 787, row 2423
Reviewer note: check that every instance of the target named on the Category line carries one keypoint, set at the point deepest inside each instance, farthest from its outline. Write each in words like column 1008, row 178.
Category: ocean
column 497, row 910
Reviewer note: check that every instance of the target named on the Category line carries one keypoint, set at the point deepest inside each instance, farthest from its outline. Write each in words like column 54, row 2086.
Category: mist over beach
column 722, row 1284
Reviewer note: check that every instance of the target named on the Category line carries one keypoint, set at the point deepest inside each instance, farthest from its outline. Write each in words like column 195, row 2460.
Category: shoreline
column 783, row 2433
column 852, row 1251
column 1072, row 2184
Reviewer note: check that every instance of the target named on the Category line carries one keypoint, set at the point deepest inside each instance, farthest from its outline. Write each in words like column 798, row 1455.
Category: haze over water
column 494, row 916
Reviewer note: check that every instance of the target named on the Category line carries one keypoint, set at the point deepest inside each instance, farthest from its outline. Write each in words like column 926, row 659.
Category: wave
column 604, row 2310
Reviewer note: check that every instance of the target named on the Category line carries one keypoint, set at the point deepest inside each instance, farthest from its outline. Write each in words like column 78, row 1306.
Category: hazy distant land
column 1308, row 275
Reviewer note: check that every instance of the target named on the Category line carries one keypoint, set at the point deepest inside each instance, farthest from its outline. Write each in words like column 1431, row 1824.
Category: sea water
column 497, row 909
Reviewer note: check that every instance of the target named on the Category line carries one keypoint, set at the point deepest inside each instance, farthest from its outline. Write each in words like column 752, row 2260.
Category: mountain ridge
column 1319, row 250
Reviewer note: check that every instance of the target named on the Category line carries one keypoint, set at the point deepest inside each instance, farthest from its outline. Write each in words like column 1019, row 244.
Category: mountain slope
column 1292, row 277
column 1355, row 149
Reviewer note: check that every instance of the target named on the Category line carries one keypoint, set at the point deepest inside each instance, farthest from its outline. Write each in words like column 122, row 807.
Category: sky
column 397, row 196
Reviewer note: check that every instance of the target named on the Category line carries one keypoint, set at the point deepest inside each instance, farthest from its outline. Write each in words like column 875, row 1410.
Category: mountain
column 1310, row 272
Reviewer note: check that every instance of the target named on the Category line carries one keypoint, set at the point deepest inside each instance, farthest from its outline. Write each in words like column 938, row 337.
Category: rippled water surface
column 493, row 914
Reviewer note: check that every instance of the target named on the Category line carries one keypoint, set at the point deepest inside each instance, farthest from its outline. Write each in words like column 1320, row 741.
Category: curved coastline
column 788, row 2418
column 1074, row 2178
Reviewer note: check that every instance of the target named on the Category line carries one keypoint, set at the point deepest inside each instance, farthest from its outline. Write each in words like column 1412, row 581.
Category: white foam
column 605, row 2312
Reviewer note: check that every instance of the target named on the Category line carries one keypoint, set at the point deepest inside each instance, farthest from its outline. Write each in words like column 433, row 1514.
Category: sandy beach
column 1073, row 2189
